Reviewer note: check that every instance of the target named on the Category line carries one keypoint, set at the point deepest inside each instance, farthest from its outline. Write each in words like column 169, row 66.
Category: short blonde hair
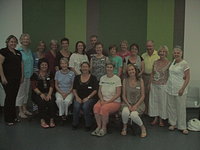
column 23, row 36
column 65, row 60
column 125, row 42
column 164, row 47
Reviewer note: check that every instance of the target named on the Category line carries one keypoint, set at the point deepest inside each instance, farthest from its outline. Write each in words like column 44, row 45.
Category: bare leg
column 104, row 122
column 98, row 120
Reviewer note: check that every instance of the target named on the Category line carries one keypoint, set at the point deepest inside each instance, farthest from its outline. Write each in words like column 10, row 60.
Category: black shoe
column 87, row 129
column 74, row 127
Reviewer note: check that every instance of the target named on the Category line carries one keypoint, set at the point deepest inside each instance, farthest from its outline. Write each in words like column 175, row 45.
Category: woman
column 179, row 76
column 117, row 60
column 64, row 52
column 64, row 79
column 109, row 100
column 42, row 93
column 11, row 75
column 39, row 54
column 98, row 62
column 158, row 96
column 78, row 57
column 51, row 56
column 27, row 59
column 84, row 89
column 133, row 96
column 135, row 59
column 124, row 50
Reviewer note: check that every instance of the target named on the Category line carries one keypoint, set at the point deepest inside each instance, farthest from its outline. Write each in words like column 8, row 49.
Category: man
column 92, row 52
column 150, row 56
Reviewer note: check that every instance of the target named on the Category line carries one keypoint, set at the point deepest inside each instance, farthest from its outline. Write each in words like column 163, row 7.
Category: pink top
column 123, row 54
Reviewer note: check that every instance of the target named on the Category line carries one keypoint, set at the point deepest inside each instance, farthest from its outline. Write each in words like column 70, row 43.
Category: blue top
column 117, row 60
column 65, row 81
column 27, row 59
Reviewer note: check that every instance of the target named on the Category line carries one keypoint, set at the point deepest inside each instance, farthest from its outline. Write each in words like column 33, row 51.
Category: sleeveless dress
column 133, row 95
column 158, row 96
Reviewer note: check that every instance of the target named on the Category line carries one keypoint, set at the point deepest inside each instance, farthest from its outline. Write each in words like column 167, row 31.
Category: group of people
column 95, row 82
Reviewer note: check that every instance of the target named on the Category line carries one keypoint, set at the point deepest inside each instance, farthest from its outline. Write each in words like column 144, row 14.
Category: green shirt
column 117, row 60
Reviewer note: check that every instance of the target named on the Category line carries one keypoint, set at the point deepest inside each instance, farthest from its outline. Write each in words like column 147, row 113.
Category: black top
column 43, row 84
column 131, row 62
column 84, row 89
column 12, row 64
column 59, row 56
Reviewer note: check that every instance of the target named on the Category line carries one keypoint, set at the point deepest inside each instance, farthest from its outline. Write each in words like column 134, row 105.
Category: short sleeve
column 118, row 82
column 185, row 66
column 73, row 76
column 56, row 75
column 71, row 61
column 3, row 52
column 75, row 85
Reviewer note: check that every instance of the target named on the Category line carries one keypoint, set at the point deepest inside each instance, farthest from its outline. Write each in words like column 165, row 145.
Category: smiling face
column 63, row 65
column 93, row 41
column 177, row 54
column 41, row 47
column 25, row 41
column 65, row 45
column 150, row 47
column 85, row 68
column 131, row 71
column 54, row 46
column 124, row 46
column 44, row 66
column 109, row 69
column 80, row 48
column 113, row 51
column 12, row 43
column 162, row 53
column 134, row 50
column 99, row 49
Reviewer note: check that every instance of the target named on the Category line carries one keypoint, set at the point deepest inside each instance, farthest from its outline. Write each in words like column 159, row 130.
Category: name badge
column 48, row 78
column 137, row 87
column 89, row 87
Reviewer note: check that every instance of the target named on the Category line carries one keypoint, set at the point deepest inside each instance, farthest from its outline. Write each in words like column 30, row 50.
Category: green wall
column 160, row 22
column 44, row 20
column 123, row 20
column 75, row 21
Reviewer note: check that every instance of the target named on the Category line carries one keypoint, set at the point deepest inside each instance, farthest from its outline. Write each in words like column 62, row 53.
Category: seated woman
column 64, row 79
column 133, row 96
column 84, row 89
column 42, row 85
column 109, row 95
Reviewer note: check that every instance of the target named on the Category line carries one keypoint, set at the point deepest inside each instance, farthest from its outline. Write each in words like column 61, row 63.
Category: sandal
column 124, row 132
column 143, row 133
column 161, row 124
column 22, row 115
column 185, row 132
column 172, row 128
column 155, row 122
column 27, row 113
column 95, row 132
column 102, row 132
column 44, row 125
column 52, row 123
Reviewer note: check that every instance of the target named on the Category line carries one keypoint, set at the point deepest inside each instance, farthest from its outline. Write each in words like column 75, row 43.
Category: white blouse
column 176, row 75
column 75, row 61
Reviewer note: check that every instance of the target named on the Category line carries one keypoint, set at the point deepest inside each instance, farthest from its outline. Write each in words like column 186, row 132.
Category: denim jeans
column 86, row 107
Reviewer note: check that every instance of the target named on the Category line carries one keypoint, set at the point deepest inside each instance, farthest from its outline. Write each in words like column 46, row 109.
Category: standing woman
column 158, row 95
column 27, row 59
column 117, row 60
column 109, row 100
column 84, row 89
column 134, row 59
column 78, row 57
column 51, row 56
column 64, row 79
column 11, row 75
column 98, row 62
column 133, row 96
column 42, row 84
column 39, row 54
column 64, row 52
column 124, row 50
column 179, row 76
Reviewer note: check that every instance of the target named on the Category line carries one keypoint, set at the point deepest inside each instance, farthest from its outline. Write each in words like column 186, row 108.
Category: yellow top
column 149, row 60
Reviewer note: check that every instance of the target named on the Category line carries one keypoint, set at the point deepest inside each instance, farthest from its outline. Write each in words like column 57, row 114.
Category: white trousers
column 63, row 104
column 176, row 109
column 134, row 115
column 23, row 93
